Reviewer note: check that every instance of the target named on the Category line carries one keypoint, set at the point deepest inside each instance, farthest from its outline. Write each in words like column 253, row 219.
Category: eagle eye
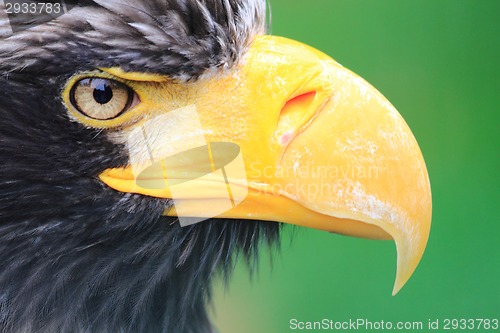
column 102, row 99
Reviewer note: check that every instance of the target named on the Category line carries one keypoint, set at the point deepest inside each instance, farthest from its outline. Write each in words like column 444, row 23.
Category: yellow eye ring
column 101, row 98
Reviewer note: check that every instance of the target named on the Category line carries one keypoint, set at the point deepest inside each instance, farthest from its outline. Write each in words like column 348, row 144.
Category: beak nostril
column 301, row 101
column 296, row 113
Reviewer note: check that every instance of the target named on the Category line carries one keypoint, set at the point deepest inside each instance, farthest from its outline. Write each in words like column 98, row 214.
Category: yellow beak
column 291, row 136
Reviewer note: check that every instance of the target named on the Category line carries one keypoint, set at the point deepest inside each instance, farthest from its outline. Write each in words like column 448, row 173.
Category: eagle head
column 144, row 145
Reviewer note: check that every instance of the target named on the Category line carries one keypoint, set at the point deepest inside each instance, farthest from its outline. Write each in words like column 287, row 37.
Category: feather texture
column 179, row 38
column 76, row 256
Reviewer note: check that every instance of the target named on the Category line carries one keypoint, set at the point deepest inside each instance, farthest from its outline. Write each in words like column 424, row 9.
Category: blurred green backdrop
column 438, row 62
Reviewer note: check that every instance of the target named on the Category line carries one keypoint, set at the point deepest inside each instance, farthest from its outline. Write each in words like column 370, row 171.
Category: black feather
column 75, row 255
column 179, row 38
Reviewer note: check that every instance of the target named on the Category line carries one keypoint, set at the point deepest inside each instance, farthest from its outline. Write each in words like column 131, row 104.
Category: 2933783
column 33, row 8
column 470, row 324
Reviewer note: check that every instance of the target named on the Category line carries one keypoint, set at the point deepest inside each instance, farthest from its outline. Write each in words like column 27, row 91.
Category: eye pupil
column 103, row 93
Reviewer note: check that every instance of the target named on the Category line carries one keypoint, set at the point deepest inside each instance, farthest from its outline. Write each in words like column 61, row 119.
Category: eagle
column 146, row 146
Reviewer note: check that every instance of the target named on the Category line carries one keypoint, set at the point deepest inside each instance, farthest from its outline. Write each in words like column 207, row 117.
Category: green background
column 438, row 62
